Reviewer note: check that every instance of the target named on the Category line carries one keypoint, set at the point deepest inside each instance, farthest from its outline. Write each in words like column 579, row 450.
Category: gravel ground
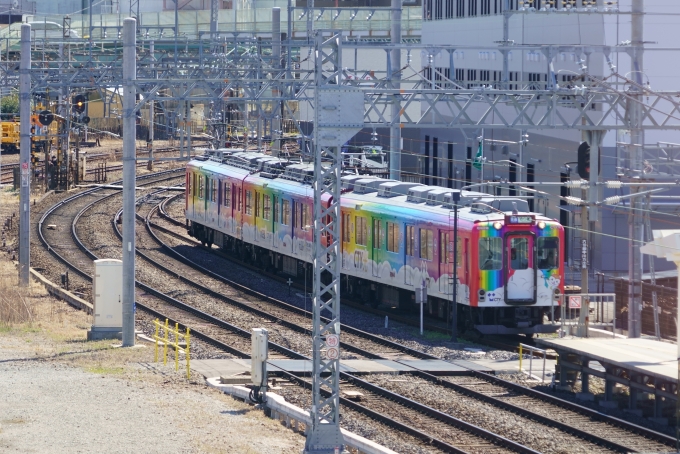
column 521, row 430
column 61, row 394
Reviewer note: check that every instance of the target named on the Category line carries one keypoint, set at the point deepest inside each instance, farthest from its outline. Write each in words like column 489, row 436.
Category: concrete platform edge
column 62, row 294
column 278, row 405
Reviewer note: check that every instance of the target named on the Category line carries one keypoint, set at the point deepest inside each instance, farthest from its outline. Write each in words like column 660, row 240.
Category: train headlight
column 497, row 225
column 541, row 225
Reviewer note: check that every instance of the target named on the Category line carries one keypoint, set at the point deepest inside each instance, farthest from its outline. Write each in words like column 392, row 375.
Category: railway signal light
column 79, row 103
column 584, row 161
column 583, row 166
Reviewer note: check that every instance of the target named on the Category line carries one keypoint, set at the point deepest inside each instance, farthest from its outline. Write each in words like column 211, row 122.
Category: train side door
column 378, row 235
column 409, row 253
column 520, row 275
column 275, row 221
column 445, row 262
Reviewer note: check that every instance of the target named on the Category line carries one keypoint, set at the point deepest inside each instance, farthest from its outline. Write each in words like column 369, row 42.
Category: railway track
column 475, row 437
column 373, row 347
column 589, row 425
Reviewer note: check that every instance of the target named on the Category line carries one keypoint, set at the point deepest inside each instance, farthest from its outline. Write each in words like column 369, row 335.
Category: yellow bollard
column 187, row 350
column 176, row 346
column 155, row 336
column 165, row 347
column 520, row 357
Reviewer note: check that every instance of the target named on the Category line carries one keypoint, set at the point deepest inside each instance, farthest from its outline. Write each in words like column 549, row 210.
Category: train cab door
column 520, row 275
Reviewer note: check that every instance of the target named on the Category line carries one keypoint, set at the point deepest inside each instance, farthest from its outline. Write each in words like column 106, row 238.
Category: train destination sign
column 519, row 219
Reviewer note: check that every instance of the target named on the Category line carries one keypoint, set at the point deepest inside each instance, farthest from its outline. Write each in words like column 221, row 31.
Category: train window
column 426, row 244
column 362, row 231
column 298, row 214
column 445, row 248
column 490, row 253
column 378, row 234
column 392, row 237
column 195, row 185
column 214, row 183
column 345, row 228
column 240, row 199
column 227, row 195
column 548, row 252
column 306, row 222
column 249, row 202
column 410, row 240
column 266, row 207
column 519, row 253
column 207, row 188
column 257, row 204
column 200, row 186
column 189, row 185
column 275, row 205
column 285, row 212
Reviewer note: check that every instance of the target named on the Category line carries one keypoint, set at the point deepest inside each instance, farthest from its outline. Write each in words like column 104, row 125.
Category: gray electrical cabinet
column 107, row 289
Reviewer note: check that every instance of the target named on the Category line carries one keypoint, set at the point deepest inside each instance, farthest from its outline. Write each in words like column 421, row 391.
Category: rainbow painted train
column 396, row 237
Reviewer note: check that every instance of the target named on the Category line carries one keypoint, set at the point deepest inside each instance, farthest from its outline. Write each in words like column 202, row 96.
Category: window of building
column 427, row 9
column 448, row 12
column 361, row 230
column 249, row 202
column 285, row 212
column 486, row 7
column 378, row 234
column 410, row 240
column 266, row 207
column 392, row 237
column 226, row 196
column 438, row 9
column 346, row 228
column 460, row 8
column 490, row 253
column 426, row 244
column 472, row 8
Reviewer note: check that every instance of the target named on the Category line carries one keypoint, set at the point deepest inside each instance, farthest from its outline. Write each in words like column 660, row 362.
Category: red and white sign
column 333, row 340
column 24, row 166
column 333, row 353
column 575, row 302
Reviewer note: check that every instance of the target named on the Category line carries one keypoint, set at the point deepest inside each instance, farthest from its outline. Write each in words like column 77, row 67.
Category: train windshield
column 548, row 252
column 490, row 253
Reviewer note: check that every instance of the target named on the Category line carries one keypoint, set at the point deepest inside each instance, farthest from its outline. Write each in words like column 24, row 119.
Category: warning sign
column 575, row 302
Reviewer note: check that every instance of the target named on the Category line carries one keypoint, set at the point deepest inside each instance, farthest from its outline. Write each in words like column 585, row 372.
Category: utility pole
column 25, row 156
column 637, row 137
column 395, row 75
column 129, row 177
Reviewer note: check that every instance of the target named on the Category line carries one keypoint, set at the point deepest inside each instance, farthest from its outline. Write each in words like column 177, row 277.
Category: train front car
column 519, row 274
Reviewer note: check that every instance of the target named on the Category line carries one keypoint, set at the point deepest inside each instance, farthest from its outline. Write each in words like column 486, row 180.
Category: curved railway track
column 460, row 432
column 444, row 431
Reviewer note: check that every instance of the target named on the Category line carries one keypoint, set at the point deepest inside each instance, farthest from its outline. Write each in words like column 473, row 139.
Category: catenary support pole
column 637, row 138
column 25, row 156
column 152, row 113
column 395, row 69
column 129, row 174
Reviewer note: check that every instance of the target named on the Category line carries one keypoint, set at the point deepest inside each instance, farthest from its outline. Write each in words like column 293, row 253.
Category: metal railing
column 532, row 350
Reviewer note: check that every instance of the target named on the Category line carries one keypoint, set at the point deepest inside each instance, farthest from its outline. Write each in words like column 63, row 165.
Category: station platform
column 647, row 367
column 235, row 367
